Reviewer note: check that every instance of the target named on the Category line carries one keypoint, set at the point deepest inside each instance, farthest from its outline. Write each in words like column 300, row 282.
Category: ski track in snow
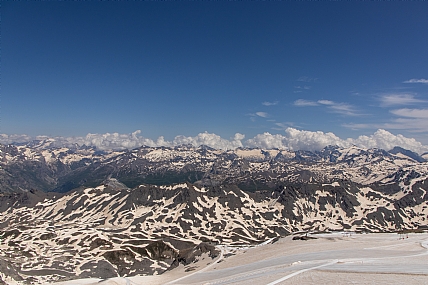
column 377, row 257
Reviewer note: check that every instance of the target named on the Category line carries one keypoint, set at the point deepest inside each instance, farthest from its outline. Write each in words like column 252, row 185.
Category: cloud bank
column 292, row 139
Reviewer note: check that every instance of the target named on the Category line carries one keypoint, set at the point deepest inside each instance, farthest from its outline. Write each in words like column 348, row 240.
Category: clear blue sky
column 167, row 68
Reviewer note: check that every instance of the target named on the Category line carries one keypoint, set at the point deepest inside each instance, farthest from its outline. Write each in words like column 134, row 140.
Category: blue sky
column 169, row 69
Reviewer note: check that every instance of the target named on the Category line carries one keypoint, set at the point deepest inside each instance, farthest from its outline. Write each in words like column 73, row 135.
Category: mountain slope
column 112, row 230
column 146, row 210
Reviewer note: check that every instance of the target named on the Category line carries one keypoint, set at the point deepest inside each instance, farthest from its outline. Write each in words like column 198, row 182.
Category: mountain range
column 76, row 212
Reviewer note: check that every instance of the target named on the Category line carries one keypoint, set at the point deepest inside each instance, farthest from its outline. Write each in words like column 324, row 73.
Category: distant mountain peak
column 406, row 152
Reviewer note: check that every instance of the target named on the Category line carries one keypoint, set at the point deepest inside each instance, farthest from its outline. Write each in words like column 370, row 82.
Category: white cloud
column 296, row 140
column 307, row 79
column 283, row 125
column 8, row 139
column 354, row 126
column 270, row 103
column 113, row 140
column 306, row 140
column 267, row 141
column 385, row 140
column 303, row 87
column 326, row 102
column 116, row 141
column 411, row 113
column 415, row 125
column 262, row 114
column 292, row 139
column 413, row 120
column 305, row 103
column 408, row 124
column 425, row 81
column 211, row 140
column 341, row 108
column 133, row 140
column 387, row 100
column 410, row 120
column 336, row 107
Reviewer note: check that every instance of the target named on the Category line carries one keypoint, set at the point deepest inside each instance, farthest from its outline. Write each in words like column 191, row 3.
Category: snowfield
column 331, row 258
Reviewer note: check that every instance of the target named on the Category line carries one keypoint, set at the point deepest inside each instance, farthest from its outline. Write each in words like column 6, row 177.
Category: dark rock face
column 8, row 269
column 100, row 269
column 189, row 255
column 159, row 250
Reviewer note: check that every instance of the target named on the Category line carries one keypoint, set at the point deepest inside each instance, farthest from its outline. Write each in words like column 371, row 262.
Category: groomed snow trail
column 301, row 271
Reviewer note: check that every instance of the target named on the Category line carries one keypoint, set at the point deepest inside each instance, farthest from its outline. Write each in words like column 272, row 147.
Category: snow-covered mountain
column 146, row 210
column 45, row 167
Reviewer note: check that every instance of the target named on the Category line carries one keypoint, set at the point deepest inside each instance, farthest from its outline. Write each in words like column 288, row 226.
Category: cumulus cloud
column 211, row 140
column 266, row 141
column 296, row 140
column 307, row 140
column 291, row 139
column 8, row 139
column 385, row 140
column 111, row 140
column 129, row 141
column 387, row 100
column 425, row 81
